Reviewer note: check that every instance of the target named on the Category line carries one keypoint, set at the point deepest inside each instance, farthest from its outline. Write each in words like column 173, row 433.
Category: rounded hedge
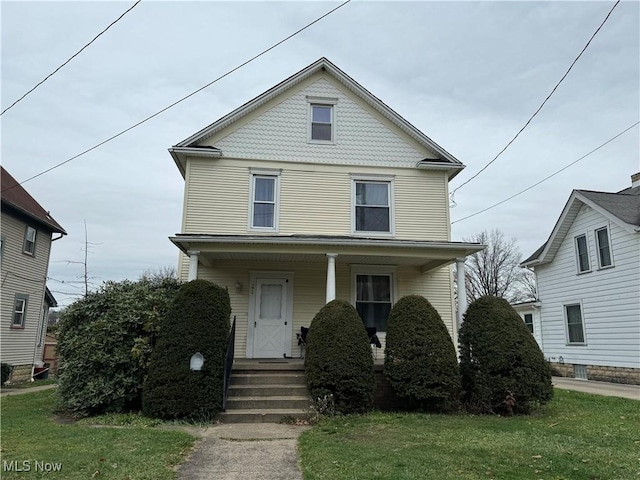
column 338, row 358
column 420, row 358
column 197, row 321
column 502, row 367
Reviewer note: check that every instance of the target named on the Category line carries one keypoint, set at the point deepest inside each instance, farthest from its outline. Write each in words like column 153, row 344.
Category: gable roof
column 622, row 208
column 444, row 158
column 16, row 197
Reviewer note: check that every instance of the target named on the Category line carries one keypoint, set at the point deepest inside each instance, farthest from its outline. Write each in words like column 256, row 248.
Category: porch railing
column 228, row 363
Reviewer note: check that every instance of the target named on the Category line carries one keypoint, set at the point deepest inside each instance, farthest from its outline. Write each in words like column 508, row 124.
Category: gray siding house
column 26, row 234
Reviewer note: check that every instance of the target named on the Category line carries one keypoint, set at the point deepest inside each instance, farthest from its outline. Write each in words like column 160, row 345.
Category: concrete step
column 262, row 378
column 273, row 415
column 266, row 403
column 268, row 390
column 268, row 365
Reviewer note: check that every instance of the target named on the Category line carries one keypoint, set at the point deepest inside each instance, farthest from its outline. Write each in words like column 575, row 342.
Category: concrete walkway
column 5, row 392
column 244, row 451
column 598, row 388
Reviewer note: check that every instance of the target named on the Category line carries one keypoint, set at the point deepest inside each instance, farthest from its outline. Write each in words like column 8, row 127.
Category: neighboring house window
column 575, row 326
column 372, row 206
column 43, row 326
column 373, row 298
column 582, row 251
column 30, row 241
column 528, row 320
column 604, row 247
column 264, row 201
column 19, row 311
column 322, row 120
column 1, row 247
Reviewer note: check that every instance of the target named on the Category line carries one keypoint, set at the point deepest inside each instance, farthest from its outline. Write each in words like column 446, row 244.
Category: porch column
column 462, row 289
column 331, row 276
column 193, row 264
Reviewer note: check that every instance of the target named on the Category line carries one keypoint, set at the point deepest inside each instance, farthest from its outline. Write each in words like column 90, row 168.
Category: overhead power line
column 183, row 98
column 70, row 58
column 547, row 178
column 541, row 105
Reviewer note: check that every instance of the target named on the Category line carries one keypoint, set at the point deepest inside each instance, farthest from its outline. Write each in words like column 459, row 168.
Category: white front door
column 270, row 323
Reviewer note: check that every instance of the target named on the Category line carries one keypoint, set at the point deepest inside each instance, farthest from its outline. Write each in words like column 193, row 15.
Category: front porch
column 277, row 284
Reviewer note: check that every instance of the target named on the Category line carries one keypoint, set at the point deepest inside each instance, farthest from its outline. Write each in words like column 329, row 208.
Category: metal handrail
column 228, row 363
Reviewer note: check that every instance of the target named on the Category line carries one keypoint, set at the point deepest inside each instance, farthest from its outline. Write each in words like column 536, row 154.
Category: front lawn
column 576, row 437
column 32, row 440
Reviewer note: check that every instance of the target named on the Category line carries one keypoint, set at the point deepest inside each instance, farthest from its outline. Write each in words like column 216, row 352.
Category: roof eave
column 179, row 155
column 54, row 227
column 453, row 170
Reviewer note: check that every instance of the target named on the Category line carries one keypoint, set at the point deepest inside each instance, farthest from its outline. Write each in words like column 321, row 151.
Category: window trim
column 264, row 173
column 25, row 299
column 371, row 178
column 321, row 102
column 566, row 323
column 595, row 234
column 35, row 240
column 577, row 252
column 388, row 270
column 524, row 319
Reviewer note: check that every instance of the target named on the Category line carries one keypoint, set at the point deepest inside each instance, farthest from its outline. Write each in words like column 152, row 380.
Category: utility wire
column 547, row 178
column 183, row 98
column 70, row 58
column 540, row 107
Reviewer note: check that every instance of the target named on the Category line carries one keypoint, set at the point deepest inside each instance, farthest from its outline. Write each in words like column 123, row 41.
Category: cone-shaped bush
column 420, row 358
column 502, row 367
column 338, row 358
column 197, row 321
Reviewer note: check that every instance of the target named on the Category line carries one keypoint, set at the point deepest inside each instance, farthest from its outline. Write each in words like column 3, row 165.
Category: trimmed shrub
column 502, row 368
column 197, row 321
column 5, row 369
column 105, row 341
column 420, row 358
column 338, row 359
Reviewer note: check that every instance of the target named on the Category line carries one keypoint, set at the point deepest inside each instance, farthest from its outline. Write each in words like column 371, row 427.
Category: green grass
column 28, row 384
column 576, row 437
column 29, row 433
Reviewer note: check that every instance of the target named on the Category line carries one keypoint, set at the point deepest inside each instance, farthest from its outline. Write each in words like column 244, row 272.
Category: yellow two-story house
column 312, row 191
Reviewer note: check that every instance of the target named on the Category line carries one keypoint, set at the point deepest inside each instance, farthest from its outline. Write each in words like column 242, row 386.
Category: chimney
column 635, row 180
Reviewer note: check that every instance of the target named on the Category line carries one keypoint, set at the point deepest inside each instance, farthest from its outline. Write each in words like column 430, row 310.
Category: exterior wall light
column 197, row 360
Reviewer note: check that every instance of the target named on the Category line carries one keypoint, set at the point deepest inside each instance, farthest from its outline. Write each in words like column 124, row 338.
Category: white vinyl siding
column 25, row 275
column 610, row 304
column 603, row 248
column 314, row 199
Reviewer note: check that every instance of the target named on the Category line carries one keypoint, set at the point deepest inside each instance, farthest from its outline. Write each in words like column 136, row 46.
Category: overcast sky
column 468, row 74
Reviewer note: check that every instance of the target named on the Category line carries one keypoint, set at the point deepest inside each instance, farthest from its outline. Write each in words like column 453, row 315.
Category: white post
column 462, row 289
column 331, row 276
column 193, row 265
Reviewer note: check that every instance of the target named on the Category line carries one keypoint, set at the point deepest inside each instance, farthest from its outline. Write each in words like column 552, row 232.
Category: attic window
column 321, row 120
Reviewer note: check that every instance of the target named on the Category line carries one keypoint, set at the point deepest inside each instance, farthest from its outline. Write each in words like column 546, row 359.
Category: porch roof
column 425, row 254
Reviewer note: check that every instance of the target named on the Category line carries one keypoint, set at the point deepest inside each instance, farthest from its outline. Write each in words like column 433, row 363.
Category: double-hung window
column 575, row 326
column 604, row 247
column 528, row 320
column 582, row 253
column 372, row 206
column 374, row 297
column 29, row 241
column 322, row 120
column 264, row 206
column 19, row 311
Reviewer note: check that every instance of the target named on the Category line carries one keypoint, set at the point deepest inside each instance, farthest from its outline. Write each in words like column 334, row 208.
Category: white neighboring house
column 588, row 276
column 530, row 314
